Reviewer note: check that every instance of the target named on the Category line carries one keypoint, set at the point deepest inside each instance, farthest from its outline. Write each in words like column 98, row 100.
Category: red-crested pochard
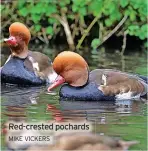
column 99, row 84
column 24, row 65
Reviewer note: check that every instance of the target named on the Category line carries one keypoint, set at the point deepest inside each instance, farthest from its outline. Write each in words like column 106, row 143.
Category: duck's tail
column 143, row 77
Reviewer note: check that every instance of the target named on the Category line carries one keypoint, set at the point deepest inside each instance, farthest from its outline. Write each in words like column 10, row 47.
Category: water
column 126, row 118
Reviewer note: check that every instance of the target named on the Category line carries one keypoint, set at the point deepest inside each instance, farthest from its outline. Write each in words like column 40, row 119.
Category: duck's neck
column 20, row 51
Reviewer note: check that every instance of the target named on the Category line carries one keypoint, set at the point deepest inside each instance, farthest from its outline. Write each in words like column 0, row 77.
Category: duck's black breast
column 89, row 92
column 14, row 72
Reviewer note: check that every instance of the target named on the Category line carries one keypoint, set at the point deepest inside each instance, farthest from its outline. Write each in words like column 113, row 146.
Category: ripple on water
column 126, row 118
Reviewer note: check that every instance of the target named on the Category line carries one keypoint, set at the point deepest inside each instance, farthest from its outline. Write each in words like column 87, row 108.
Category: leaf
column 33, row 10
column 116, row 15
column 62, row 3
column 49, row 30
column 51, row 9
column 134, row 30
column 40, row 8
column 132, row 15
column 79, row 2
column 142, row 36
column 143, row 32
column 21, row 4
column 23, row 12
column 144, row 28
column 108, row 22
column 35, row 18
column 123, row 3
column 67, row 1
column 37, row 28
column 133, row 27
column 52, row 20
column 127, row 12
column 95, row 43
column 143, row 10
column 95, row 7
column 75, row 8
column 131, row 33
column 82, row 11
column 143, row 18
column 138, row 3
column 112, row 7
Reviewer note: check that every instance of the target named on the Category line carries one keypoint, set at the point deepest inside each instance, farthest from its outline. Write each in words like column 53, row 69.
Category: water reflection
column 101, row 111
column 115, row 118
column 17, row 96
column 17, row 103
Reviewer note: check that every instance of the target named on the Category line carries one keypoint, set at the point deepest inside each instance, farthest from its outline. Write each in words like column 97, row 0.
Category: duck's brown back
column 116, row 82
column 43, row 64
column 42, row 60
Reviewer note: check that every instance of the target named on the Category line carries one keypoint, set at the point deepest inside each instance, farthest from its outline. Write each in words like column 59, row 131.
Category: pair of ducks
column 28, row 67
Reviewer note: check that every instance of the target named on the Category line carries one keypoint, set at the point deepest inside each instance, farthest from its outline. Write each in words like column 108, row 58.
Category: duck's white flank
column 104, row 79
column 52, row 77
column 128, row 95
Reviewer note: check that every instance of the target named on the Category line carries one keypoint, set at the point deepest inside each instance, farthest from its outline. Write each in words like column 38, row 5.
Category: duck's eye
column 12, row 38
column 20, row 38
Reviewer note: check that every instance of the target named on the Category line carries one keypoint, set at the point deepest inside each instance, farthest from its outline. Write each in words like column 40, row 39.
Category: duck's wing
column 28, row 65
column 40, row 58
column 114, row 82
column 107, row 76
column 41, row 65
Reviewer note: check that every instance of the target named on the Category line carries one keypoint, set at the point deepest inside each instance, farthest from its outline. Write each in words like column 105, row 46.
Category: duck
column 78, row 83
column 85, row 141
column 23, row 66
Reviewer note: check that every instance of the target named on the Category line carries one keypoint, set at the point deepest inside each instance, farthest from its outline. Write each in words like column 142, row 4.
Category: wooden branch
column 100, row 30
column 123, row 50
column 123, row 62
column 58, row 17
column 68, row 33
column 41, row 38
column 63, row 20
column 45, row 36
column 75, row 28
column 124, row 43
column 114, row 30
column 87, row 31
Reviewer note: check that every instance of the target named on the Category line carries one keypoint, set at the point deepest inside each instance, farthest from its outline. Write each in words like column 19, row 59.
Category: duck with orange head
column 99, row 84
column 25, row 67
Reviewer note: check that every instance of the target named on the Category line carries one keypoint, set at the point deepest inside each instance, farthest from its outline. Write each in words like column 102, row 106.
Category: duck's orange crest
column 19, row 28
column 68, row 60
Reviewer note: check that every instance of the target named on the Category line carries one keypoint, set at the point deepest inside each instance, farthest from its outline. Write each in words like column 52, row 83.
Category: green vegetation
column 49, row 18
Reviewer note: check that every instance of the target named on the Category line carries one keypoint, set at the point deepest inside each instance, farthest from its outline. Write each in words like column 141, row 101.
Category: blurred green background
column 80, row 23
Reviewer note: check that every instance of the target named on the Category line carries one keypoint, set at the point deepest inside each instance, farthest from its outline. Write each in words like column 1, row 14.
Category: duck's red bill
column 59, row 80
column 11, row 40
